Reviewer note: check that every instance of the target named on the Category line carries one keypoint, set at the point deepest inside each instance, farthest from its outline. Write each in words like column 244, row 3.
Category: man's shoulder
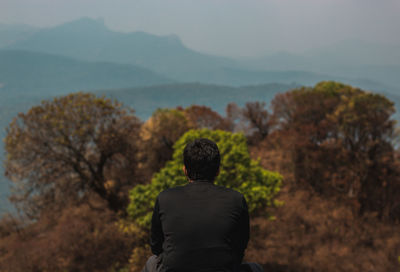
column 235, row 197
column 228, row 192
column 171, row 191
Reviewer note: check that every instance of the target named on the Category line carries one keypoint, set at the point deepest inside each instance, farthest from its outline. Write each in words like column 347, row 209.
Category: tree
column 340, row 140
column 70, row 149
column 165, row 127
column 158, row 135
column 253, row 119
column 238, row 171
column 365, row 133
column 233, row 115
column 258, row 119
column 204, row 117
column 301, row 121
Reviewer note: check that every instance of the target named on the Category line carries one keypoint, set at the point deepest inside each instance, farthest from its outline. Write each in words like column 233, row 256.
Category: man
column 199, row 226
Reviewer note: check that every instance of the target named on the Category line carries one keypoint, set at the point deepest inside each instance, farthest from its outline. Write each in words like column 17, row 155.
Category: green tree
column 165, row 127
column 238, row 171
column 69, row 150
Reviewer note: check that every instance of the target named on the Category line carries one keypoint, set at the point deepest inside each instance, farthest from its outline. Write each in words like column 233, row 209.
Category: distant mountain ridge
column 10, row 34
column 90, row 40
column 41, row 74
column 349, row 59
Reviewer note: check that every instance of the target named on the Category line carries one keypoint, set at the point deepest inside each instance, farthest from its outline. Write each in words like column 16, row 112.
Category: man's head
column 202, row 159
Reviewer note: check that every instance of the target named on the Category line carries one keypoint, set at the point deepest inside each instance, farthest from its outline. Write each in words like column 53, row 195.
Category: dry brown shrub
column 81, row 240
column 138, row 258
column 140, row 240
column 273, row 155
column 315, row 234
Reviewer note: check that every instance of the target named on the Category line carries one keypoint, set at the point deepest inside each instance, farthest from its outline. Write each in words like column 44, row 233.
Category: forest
column 319, row 167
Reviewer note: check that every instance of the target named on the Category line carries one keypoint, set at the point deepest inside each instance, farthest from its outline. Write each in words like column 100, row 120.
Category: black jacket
column 200, row 227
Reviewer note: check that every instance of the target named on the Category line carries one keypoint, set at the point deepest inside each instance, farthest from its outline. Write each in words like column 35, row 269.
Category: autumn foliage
column 74, row 161
column 340, row 141
column 69, row 150
column 81, row 239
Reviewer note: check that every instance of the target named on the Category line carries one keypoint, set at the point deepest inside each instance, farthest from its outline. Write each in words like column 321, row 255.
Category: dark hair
column 202, row 159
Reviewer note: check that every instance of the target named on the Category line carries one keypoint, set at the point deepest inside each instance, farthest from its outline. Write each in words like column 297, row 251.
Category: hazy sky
column 227, row 27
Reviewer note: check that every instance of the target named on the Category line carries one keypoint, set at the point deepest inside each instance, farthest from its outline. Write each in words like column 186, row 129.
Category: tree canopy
column 340, row 138
column 158, row 135
column 70, row 148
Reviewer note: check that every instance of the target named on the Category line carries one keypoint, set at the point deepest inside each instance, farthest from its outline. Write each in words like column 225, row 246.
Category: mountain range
column 90, row 40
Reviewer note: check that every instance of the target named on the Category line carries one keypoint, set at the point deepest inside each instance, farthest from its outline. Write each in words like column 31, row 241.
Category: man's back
column 200, row 227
